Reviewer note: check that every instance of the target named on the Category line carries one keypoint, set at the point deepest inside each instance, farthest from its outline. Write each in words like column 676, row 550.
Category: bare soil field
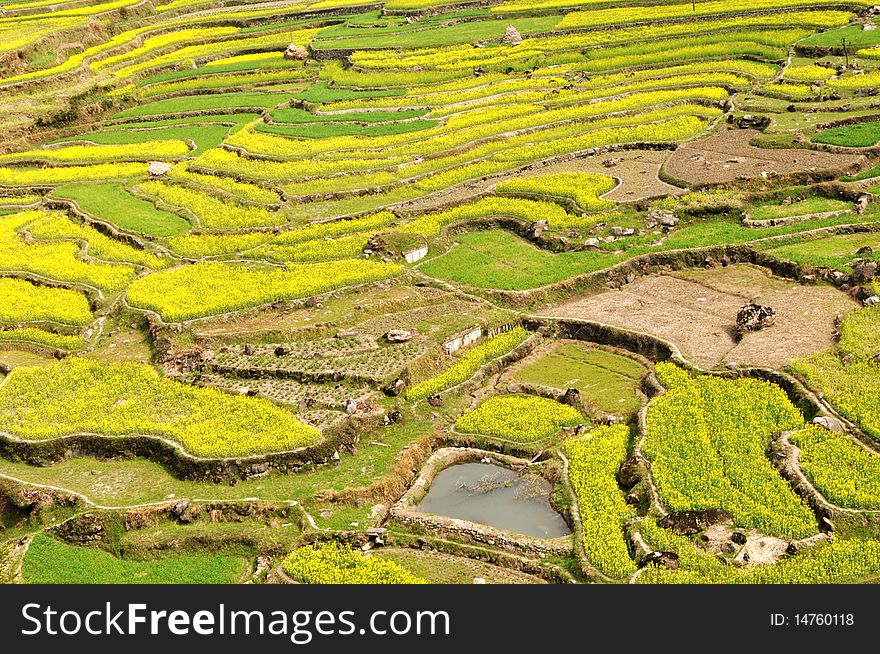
column 636, row 170
column 696, row 310
column 725, row 156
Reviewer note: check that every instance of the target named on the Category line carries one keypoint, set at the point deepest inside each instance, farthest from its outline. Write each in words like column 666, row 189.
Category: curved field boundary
column 645, row 264
column 786, row 460
column 107, row 228
column 156, row 319
column 804, row 399
column 172, row 455
column 578, row 528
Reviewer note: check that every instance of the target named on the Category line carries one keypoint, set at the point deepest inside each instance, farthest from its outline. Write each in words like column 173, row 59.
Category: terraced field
column 266, row 265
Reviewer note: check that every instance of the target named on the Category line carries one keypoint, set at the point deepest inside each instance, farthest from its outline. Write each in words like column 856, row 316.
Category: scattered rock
column 350, row 407
column 750, row 121
column 346, row 333
column 862, row 203
column 296, row 52
column 661, row 217
column 728, row 548
column 791, row 549
column 435, row 400
column 511, row 36
column 864, row 271
column 572, row 397
column 693, row 522
column 866, row 250
column 282, row 350
column 158, row 169
column 668, row 560
column 830, row 423
column 753, row 317
column 738, row 537
column 612, row 162
column 249, row 350
column 592, row 243
column 398, row 336
column 397, row 387
column 872, row 301
column 632, row 470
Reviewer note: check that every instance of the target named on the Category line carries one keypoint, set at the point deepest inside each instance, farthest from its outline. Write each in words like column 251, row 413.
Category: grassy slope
column 51, row 562
column 607, row 380
column 111, row 202
column 121, row 483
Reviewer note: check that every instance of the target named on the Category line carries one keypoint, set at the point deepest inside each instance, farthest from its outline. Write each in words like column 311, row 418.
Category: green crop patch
column 807, row 207
column 854, row 35
column 194, row 103
column 322, row 92
column 607, row 380
column 839, row 251
column 858, row 135
column 49, row 561
column 114, row 204
column 499, row 259
column 330, row 130
column 297, row 116
column 203, row 136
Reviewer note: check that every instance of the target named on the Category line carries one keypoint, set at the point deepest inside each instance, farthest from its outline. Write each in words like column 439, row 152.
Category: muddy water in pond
column 495, row 496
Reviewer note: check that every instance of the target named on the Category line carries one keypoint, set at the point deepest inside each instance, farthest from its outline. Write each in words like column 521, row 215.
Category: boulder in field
column 511, row 36
column 398, row 335
column 296, row 52
column 754, row 317
column 693, row 522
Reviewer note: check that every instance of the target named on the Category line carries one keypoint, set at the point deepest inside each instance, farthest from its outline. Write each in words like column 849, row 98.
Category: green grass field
column 329, row 130
column 204, row 136
column 51, row 562
column 800, row 208
column 832, row 251
column 114, row 204
column 192, row 103
column 498, row 259
column 858, row 135
column 855, row 35
column 607, row 380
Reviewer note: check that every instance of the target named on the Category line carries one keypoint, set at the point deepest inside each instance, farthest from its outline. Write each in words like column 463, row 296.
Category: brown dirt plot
column 696, row 310
column 727, row 155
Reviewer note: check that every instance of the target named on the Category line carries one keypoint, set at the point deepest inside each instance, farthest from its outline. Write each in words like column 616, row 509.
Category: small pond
column 496, row 496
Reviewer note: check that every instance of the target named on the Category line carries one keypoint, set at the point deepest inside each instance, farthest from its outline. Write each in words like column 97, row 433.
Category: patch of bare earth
column 696, row 310
column 725, row 156
column 636, row 170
